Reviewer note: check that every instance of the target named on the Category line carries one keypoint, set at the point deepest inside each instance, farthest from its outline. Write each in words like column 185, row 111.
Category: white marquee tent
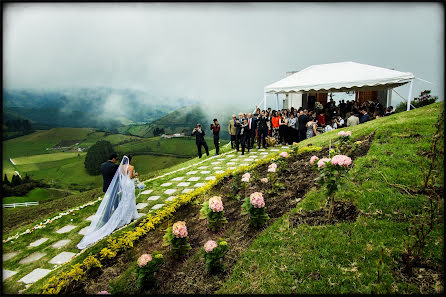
column 340, row 77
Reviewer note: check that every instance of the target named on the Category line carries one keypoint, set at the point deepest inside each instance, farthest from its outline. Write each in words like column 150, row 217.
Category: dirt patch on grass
column 187, row 275
column 427, row 276
column 342, row 212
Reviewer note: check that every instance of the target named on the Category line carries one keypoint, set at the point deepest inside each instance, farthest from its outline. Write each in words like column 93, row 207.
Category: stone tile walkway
column 201, row 172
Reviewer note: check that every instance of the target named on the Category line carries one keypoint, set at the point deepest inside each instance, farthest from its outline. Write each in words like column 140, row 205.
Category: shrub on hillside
column 96, row 155
column 423, row 99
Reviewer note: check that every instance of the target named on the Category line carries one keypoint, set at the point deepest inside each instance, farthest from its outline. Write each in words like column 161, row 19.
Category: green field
column 178, row 146
column 37, row 142
column 65, row 170
column 44, row 158
column 37, row 194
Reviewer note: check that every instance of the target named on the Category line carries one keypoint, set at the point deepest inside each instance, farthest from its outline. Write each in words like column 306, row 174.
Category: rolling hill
column 101, row 107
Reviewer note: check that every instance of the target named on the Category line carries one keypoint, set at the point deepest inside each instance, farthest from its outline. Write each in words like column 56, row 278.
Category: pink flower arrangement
column 272, row 167
column 321, row 162
column 216, row 204
column 343, row 133
column 179, row 229
column 313, row 159
column 264, row 180
column 144, row 259
column 256, row 200
column 283, row 154
column 210, row 245
column 341, row 160
column 246, row 177
column 104, row 293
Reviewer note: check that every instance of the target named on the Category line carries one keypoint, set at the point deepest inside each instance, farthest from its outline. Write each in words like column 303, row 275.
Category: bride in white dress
column 118, row 207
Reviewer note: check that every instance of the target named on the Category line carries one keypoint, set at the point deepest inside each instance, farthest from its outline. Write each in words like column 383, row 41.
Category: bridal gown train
column 118, row 207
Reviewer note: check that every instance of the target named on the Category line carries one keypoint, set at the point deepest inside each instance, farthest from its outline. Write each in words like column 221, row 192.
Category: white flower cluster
column 49, row 221
column 138, row 184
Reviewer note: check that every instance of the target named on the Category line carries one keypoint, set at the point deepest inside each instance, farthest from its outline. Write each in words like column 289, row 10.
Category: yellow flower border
column 56, row 283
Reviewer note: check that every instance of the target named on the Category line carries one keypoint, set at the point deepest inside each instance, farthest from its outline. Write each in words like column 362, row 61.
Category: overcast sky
column 214, row 52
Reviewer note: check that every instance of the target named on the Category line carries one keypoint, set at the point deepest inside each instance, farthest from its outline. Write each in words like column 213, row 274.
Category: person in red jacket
column 215, row 127
column 321, row 118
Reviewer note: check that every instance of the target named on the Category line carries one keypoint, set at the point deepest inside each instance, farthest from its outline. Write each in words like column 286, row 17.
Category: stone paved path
column 59, row 246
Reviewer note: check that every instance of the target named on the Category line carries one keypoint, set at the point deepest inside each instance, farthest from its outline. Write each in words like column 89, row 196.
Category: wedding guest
column 321, row 118
column 238, row 130
column 262, row 128
column 283, row 124
column 311, row 128
column 365, row 116
column 338, row 122
column 328, row 127
column 215, row 127
column 275, row 125
column 353, row 120
column 292, row 121
column 251, row 131
column 302, row 122
column 199, row 140
column 243, row 135
column 268, row 122
column 232, row 130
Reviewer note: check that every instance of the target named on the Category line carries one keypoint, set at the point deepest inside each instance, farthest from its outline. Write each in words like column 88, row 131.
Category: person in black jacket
column 302, row 121
column 108, row 170
column 215, row 127
column 238, row 130
column 244, row 135
column 199, row 140
column 262, row 128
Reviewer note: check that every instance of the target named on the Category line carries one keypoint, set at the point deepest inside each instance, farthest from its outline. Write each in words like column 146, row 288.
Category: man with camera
column 199, row 140
column 215, row 127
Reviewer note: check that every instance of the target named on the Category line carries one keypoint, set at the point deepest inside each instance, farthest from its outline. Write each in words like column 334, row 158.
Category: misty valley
column 47, row 135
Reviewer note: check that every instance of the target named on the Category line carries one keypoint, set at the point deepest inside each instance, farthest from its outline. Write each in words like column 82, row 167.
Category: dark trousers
column 302, row 134
column 237, row 141
column 233, row 141
column 253, row 136
column 203, row 143
column 247, row 135
column 243, row 140
column 261, row 136
column 217, row 146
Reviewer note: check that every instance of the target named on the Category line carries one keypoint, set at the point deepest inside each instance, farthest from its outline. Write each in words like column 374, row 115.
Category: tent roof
column 341, row 77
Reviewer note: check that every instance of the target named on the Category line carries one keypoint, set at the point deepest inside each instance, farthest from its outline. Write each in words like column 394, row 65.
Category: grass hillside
column 35, row 155
column 179, row 121
column 298, row 250
column 293, row 257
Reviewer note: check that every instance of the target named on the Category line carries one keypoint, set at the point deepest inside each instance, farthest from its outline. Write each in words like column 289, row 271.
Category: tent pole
column 389, row 97
column 277, row 101
column 410, row 94
column 264, row 101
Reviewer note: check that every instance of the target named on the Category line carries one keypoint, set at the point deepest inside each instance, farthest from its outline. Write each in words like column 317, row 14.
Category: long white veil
column 118, row 207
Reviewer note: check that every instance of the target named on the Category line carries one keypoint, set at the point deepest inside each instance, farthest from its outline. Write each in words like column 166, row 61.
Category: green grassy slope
column 342, row 258
column 66, row 169
column 178, row 121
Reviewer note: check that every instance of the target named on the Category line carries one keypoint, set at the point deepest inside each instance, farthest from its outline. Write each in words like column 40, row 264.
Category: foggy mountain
column 99, row 107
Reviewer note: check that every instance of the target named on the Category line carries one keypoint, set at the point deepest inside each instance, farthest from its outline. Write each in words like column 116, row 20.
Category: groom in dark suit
column 108, row 169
